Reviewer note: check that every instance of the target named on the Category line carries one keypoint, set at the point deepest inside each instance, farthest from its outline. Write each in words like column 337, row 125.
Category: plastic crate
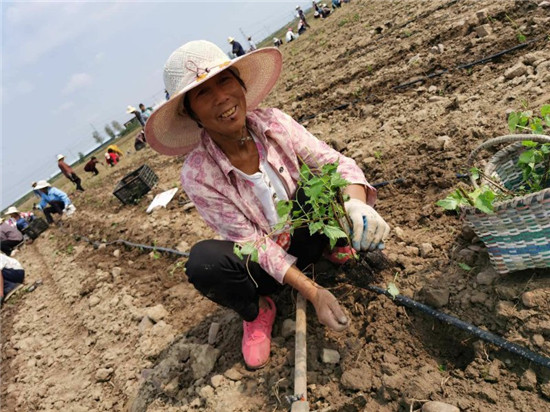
column 135, row 185
column 37, row 226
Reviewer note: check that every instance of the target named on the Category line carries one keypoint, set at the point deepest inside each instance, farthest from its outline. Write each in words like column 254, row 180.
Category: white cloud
column 63, row 107
column 37, row 28
column 77, row 81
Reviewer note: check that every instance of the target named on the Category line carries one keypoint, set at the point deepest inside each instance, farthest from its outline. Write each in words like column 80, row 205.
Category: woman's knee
column 204, row 263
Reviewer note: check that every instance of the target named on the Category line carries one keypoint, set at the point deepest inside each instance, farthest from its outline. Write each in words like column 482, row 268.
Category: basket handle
column 540, row 138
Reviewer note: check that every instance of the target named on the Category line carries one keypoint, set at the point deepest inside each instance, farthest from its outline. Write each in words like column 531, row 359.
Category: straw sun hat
column 11, row 210
column 60, row 156
column 172, row 133
column 41, row 185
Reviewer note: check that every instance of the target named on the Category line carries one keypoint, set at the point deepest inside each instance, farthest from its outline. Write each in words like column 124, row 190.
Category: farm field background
column 113, row 327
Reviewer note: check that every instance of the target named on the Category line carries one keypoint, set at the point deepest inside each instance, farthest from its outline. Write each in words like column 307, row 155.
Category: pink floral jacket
column 226, row 201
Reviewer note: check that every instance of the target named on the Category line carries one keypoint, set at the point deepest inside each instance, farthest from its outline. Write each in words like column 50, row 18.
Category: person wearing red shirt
column 69, row 172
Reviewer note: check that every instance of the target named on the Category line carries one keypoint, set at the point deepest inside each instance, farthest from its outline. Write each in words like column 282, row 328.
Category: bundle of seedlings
column 509, row 205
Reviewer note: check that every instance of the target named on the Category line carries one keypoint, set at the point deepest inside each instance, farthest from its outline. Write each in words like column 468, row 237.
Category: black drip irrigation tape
column 130, row 244
column 468, row 65
column 429, row 76
column 471, row 329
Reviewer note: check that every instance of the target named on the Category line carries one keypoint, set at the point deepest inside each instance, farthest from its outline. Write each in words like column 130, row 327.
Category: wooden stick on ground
column 300, row 357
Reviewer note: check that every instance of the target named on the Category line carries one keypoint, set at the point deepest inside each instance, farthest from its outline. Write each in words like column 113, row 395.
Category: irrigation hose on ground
column 471, row 329
column 443, row 317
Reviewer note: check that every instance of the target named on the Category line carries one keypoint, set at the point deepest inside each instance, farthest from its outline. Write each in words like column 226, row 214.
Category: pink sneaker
column 257, row 337
column 341, row 254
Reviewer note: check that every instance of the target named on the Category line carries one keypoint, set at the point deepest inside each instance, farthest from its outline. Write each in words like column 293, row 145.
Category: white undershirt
column 269, row 189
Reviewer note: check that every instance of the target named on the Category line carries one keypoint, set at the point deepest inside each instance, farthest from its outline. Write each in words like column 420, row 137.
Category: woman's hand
column 329, row 311
column 368, row 228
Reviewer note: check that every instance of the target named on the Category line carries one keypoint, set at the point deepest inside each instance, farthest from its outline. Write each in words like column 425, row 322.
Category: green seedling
column 465, row 267
column 322, row 212
column 534, row 164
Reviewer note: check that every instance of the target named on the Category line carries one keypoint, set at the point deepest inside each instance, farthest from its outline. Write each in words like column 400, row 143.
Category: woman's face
column 220, row 105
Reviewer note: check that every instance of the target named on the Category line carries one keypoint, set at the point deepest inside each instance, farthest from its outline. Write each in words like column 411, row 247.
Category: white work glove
column 369, row 229
column 329, row 311
column 69, row 210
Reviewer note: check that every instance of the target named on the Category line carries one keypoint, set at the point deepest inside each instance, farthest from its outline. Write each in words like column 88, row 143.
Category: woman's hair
column 185, row 107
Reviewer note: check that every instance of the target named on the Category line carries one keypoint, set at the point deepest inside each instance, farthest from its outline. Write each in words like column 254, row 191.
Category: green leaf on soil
column 393, row 290
column 464, row 266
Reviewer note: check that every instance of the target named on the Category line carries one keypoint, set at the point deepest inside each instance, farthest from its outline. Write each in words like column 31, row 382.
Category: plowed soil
column 93, row 338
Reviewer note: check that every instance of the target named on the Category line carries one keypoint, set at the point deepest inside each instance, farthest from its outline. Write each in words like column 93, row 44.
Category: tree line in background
column 111, row 131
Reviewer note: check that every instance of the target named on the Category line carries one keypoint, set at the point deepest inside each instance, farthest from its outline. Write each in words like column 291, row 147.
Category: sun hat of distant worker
column 60, row 156
column 130, row 109
column 11, row 210
column 41, row 184
column 169, row 129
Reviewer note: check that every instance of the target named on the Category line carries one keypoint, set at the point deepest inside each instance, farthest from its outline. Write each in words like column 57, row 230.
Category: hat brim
column 171, row 133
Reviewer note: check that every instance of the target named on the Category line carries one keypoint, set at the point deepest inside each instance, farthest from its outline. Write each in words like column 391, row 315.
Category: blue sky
column 68, row 67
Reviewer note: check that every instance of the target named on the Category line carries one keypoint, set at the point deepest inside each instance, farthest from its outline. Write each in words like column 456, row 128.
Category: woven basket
column 517, row 235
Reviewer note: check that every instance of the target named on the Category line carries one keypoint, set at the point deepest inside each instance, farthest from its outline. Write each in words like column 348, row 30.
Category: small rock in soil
column 233, row 374
column 356, row 379
column 436, row 406
column 486, row 277
column 103, row 374
column 216, row 380
column 538, row 340
column 399, row 233
column 436, row 297
column 330, row 356
column 213, row 332
column 533, row 299
column 116, row 271
column 156, row 313
column 145, row 324
column 528, row 381
column 426, row 249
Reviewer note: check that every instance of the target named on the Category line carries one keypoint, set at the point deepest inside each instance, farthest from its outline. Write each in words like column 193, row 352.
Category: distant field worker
column 10, row 237
column 290, row 35
column 302, row 16
column 91, row 166
column 115, row 149
column 12, row 272
column 237, row 48
column 68, row 172
column 277, row 42
column 252, row 44
column 18, row 219
column 140, row 141
column 53, row 201
column 111, row 157
column 145, row 111
column 136, row 113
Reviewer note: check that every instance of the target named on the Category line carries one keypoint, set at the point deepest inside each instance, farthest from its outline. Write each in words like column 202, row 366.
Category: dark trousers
column 222, row 277
column 8, row 245
column 54, row 207
column 11, row 278
column 76, row 180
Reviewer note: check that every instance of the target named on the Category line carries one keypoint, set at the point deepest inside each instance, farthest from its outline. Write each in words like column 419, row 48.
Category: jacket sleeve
column 61, row 196
column 315, row 153
column 231, row 224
